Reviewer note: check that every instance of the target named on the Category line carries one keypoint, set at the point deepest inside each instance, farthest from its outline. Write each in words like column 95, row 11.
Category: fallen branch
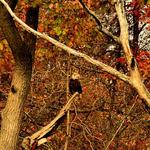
column 28, row 141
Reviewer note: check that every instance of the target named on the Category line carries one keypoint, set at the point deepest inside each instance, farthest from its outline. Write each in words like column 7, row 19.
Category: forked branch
column 100, row 26
column 135, row 79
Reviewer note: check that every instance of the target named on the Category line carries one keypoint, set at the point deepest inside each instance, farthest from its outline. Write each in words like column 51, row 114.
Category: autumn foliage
column 106, row 100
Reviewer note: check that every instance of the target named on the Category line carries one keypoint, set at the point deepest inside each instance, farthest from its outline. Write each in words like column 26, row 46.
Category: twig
column 122, row 122
column 38, row 135
column 86, row 130
column 33, row 120
column 88, row 140
column 142, row 27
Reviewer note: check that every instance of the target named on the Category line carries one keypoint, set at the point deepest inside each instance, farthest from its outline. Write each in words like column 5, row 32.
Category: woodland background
column 106, row 100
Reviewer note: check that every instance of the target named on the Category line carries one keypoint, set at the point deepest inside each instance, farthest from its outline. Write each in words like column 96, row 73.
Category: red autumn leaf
column 121, row 60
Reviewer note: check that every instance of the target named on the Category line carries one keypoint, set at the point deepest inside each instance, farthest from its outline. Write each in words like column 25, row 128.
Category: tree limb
column 38, row 135
column 121, row 124
column 101, row 28
column 142, row 27
column 105, row 67
column 134, row 79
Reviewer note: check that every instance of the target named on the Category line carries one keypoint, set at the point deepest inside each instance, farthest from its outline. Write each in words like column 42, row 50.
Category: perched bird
column 74, row 84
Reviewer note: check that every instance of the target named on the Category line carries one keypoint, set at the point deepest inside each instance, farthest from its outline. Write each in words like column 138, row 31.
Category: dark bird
column 74, row 84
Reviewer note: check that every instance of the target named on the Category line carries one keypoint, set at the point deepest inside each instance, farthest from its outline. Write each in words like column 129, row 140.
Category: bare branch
column 122, row 122
column 68, row 131
column 135, row 79
column 142, row 27
column 38, row 135
column 105, row 67
column 101, row 28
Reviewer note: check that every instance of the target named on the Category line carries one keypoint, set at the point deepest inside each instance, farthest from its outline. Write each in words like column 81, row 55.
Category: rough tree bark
column 23, row 52
column 135, row 78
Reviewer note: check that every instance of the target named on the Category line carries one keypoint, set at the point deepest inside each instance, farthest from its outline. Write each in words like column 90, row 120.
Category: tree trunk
column 135, row 77
column 23, row 52
column 11, row 115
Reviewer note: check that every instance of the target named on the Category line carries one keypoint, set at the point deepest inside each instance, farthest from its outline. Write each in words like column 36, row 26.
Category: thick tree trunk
column 135, row 77
column 23, row 52
column 11, row 115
